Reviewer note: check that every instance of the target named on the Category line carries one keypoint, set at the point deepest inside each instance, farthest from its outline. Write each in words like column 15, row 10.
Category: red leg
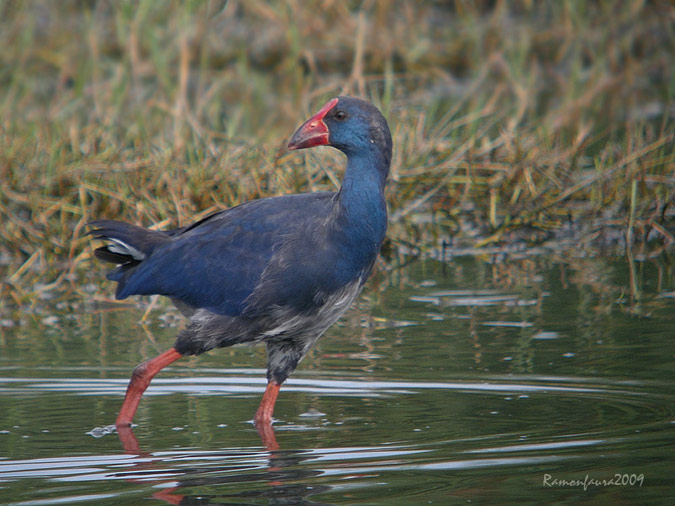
column 263, row 417
column 140, row 379
column 129, row 442
column 266, row 409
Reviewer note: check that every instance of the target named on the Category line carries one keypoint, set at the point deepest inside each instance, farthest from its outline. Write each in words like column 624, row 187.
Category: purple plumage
column 278, row 270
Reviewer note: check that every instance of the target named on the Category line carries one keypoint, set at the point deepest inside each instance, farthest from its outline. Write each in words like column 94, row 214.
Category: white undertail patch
column 123, row 248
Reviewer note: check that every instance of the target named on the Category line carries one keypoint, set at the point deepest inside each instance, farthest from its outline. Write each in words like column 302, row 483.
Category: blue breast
column 289, row 251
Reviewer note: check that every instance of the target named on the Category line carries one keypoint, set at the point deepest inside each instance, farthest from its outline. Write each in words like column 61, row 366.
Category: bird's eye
column 340, row 115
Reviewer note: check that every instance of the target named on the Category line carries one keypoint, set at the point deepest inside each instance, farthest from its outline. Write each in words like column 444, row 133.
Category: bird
column 278, row 270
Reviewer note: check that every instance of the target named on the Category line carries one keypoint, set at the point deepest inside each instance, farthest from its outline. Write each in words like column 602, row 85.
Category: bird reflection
column 282, row 467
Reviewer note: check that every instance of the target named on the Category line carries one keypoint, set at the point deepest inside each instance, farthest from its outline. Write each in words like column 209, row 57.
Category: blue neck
column 363, row 210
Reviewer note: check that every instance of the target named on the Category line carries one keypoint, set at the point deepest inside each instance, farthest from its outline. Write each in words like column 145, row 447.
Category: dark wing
column 217, row 262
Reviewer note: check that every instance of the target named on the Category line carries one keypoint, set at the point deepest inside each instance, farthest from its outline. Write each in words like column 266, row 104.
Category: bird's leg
column 129, row 442
column 140, row 379
column 263, row 417
column 266, row 409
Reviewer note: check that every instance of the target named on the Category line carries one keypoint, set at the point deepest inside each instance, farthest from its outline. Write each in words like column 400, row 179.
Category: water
column 523, row 380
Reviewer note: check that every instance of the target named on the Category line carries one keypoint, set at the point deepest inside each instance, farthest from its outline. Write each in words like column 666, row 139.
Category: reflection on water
column 470, row 381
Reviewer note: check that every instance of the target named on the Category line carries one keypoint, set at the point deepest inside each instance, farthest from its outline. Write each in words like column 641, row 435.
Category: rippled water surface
column 522, row 380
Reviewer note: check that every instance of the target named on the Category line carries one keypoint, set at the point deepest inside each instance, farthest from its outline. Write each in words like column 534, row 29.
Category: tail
column 128, row 246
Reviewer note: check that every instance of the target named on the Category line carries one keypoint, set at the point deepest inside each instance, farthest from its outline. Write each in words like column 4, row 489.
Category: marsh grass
column 510, row 119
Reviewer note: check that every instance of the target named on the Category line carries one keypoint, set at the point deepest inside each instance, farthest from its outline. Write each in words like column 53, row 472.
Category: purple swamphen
column 278, row 270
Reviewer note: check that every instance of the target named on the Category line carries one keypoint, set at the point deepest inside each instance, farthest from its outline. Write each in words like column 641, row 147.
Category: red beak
column 314, row 131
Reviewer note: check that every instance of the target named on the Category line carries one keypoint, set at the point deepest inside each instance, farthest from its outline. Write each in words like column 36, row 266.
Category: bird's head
column 349, row 124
